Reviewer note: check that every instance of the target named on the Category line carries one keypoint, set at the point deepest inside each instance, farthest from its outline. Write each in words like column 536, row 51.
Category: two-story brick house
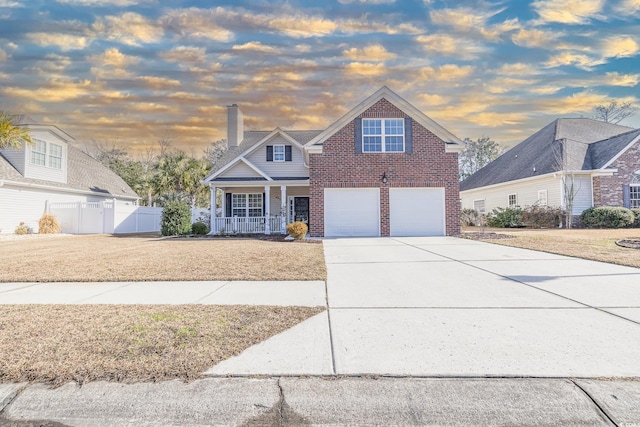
column 382, row 169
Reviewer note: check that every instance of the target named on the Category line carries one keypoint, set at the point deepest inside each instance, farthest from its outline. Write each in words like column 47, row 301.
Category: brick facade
column 340, row 167
column 608, row 190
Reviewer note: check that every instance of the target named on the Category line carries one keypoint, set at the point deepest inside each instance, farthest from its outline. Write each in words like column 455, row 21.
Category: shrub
column 199, row 228
column 607, row 217
column 537, row 216
column 468, row 217
column 636, row 214
column 48, row 224
column 297, row 230
column 505, row 218
column 22, row 229
column 176, row 219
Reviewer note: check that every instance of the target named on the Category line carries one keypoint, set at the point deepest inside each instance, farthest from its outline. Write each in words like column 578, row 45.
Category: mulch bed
column 629, row 243
column 264, row 237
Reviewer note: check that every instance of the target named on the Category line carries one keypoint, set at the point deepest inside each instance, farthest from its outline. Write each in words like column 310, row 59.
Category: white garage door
column 351, row 212
column 416, row 211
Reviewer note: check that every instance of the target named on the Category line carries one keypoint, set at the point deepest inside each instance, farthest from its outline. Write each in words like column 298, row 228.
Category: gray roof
column 84, row 173
column 581, row 144
column 251, row 138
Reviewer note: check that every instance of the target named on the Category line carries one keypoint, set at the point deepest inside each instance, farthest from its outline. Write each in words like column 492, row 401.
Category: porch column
column 283, row 209
column 267, row 209
column 212, row 220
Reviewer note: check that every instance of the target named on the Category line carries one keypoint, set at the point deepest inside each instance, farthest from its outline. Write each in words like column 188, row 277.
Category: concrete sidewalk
column 321, row 401
column 300, row 293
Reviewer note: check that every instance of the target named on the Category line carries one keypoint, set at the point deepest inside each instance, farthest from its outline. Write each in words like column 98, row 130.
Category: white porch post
column 283, row 208
column 212, row 220
column 267, row 209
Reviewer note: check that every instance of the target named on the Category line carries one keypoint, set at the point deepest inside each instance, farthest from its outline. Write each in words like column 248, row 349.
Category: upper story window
column 39, row 152
column 278, row 153
column 382, row 135
column 43, row 154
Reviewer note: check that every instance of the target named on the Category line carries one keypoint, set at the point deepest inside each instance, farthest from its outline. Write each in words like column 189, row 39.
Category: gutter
column 63, row 189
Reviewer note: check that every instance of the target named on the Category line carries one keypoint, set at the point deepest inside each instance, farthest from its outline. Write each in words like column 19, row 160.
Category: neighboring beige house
column 601, row 160
column 52, row 171
column 382, row 169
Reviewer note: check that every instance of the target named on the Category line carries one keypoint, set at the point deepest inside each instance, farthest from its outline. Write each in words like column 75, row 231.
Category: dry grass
column 56, row 344
column 598, row 245
column 145, row 258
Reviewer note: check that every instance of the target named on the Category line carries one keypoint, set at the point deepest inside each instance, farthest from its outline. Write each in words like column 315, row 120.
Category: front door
column 301, row 209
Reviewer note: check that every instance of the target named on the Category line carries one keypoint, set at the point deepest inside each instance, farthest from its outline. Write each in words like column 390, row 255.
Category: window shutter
column 408, row 136
column 269, row 153
column 626, row 196
column 287, row 153
column 227, row 205
column 264, row 205
column 358, row 135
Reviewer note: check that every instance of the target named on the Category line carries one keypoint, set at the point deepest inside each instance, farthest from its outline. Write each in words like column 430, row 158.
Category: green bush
column 537, row 216
column 636, row 214
column 505, row 218
column 607, row 217
column 468, row 217
column 297, row 230
column 176, row 219
column 199, row 228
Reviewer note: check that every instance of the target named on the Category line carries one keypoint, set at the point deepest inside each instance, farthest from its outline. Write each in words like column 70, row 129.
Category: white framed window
column 382, row 135
column 478, row 206
column 513, row 200
column 55, row 156
column 634, row 191
column 542, row 197
column 246, row 205
column 278, row 153
column 39, row 152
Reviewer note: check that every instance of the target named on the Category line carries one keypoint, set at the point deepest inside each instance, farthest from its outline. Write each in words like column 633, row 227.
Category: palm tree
column 12, row 135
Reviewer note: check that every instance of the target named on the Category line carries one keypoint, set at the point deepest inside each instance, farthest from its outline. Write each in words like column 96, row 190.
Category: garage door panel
column 351, row 212
column 417, row 211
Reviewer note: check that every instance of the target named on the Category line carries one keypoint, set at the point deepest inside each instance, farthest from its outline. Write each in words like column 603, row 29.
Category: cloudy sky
column 127, row 71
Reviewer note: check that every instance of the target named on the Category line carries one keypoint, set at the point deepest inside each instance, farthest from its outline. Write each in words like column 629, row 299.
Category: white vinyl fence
column 105, row 217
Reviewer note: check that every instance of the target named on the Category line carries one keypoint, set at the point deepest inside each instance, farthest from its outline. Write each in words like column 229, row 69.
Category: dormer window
column 43, row 154
column 382, row 135
column 278, row 153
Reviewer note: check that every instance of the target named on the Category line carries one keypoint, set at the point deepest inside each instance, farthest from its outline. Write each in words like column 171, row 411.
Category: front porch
column 245, row 208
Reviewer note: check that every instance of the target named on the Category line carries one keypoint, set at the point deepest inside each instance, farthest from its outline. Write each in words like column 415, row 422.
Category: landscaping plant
column 48, row 224
column 297, row 230
column 537, row 216
column 176, row 219
column 607, row 217
column 468, row 217
column 505, row 218
column 636, row 214
column 199, row 228
column 22, row 229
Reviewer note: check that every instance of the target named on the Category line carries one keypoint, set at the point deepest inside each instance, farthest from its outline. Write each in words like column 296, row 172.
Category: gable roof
column 453, row 142
column 583, row 142
column 254, row 138
column 84, row 174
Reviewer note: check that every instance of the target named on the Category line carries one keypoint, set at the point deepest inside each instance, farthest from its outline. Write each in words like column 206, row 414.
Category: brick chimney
column 235, row 126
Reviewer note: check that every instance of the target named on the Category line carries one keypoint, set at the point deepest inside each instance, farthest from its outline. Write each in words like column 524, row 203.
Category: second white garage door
column 416, row 211
column 351, row 212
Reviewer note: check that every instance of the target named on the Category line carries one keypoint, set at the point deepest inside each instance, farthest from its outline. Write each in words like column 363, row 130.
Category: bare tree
column 570, row 188
column 215, row 150
column 165, row 141
column 477, row 154
column 614, row 112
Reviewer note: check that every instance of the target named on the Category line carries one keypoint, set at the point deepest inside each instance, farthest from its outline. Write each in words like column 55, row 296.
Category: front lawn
column 103, row 258
column 56, row 344
column 598, row 245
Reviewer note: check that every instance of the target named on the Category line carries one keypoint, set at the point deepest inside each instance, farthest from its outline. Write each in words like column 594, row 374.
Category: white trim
column 231, row 184
column 383, row 134
column 54, row 130
column 65, row 189
column 621, row 152
column 233, row 163
column 284, row 153
column 400, row 103
column 515, row 197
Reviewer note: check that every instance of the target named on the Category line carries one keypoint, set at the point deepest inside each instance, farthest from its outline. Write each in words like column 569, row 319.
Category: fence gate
column 84, row 217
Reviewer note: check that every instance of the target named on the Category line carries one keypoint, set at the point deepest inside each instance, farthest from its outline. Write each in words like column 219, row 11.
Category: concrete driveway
column 442, row 306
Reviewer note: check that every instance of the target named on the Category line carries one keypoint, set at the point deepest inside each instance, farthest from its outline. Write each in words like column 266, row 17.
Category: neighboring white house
column 50, row 172
column 601, row 161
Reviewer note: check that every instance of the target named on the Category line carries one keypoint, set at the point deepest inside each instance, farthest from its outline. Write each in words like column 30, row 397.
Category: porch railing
column 250, row 225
